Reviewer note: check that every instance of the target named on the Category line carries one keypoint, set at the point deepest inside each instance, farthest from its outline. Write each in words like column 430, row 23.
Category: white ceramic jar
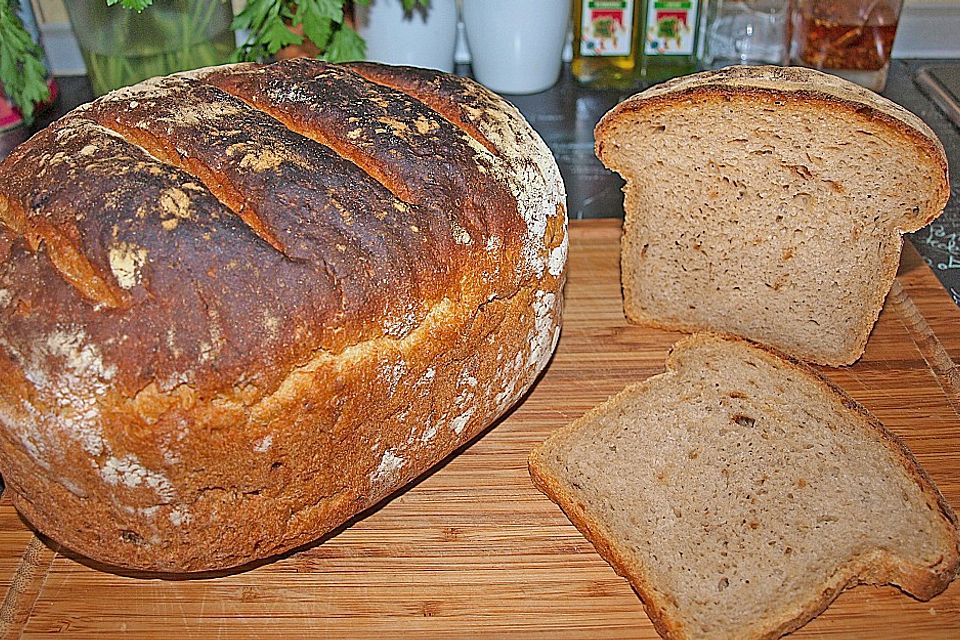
column 422, row 37
column 516, row 45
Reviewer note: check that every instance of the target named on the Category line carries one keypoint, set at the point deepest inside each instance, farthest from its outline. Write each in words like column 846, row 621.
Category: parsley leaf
column 322, row 22
column 316, row 24
column 330, row 9
column 276, row 36
column 135, row 5
column 264, row 19
column 345, row 45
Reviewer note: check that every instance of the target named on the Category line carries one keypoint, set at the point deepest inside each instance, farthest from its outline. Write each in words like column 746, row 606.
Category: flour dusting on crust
column 546, row 328
column 128, row 471
column 390, row 465
column 68, row 371
column 532, row 175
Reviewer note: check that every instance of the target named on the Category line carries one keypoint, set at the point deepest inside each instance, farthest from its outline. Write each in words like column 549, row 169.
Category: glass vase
column 122, row 47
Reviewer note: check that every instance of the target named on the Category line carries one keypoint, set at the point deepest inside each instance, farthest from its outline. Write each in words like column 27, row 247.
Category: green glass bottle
column 671, row 30
column 606, row 42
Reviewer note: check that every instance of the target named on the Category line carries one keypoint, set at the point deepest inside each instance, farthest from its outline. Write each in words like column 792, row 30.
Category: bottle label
column 671, row 27
column 606, row 27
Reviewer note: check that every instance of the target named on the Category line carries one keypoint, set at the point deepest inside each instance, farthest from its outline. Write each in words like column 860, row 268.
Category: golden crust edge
column 714, row 91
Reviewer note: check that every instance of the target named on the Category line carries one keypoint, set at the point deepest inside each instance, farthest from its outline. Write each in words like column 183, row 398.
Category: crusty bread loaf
column 741, row 493
column 769, row 203
column 242, row 304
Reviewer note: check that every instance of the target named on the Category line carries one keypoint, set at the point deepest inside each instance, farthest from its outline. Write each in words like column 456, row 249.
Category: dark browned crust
column 441, row 92
column 880, row 567
column 227, row 323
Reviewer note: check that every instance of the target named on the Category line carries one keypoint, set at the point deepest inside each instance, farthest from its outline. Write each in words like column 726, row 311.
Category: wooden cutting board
column 473, row 549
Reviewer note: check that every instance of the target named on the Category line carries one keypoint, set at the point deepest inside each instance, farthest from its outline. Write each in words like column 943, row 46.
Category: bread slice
column 740, row 494
column 769, row 203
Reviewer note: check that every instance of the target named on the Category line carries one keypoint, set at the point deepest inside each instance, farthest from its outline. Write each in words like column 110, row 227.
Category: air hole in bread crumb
column 744, row 421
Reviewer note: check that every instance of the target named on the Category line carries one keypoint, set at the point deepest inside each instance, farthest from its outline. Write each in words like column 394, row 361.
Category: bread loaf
column 769, row 203
column 242, row 304
column 741, row 493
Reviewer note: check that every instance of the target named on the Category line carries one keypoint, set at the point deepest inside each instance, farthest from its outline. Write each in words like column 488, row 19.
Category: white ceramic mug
column 422, row 37
column 516, row 45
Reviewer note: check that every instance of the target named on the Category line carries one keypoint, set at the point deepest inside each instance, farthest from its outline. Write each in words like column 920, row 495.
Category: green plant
column 22, row 75
column 322, row 22
column 268, row 23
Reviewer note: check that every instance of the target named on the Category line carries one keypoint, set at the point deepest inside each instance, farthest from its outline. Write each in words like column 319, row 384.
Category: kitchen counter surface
column 472, row 549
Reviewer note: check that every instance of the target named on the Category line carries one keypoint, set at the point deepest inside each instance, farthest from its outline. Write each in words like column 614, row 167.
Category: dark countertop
column 938, row 242
column 566, row 114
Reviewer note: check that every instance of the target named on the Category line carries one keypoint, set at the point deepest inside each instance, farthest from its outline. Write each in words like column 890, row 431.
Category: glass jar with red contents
column 849, row 38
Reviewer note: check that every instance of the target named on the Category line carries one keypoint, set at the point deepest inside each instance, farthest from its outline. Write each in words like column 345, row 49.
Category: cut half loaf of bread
column 769, row 203
column 740, row 494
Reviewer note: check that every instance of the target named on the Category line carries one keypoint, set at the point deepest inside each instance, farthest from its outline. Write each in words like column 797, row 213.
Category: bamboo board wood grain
column 473, row 549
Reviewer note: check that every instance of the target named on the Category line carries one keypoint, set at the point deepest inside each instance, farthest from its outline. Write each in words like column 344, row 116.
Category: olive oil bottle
column 671, row 34
column 606, row 42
